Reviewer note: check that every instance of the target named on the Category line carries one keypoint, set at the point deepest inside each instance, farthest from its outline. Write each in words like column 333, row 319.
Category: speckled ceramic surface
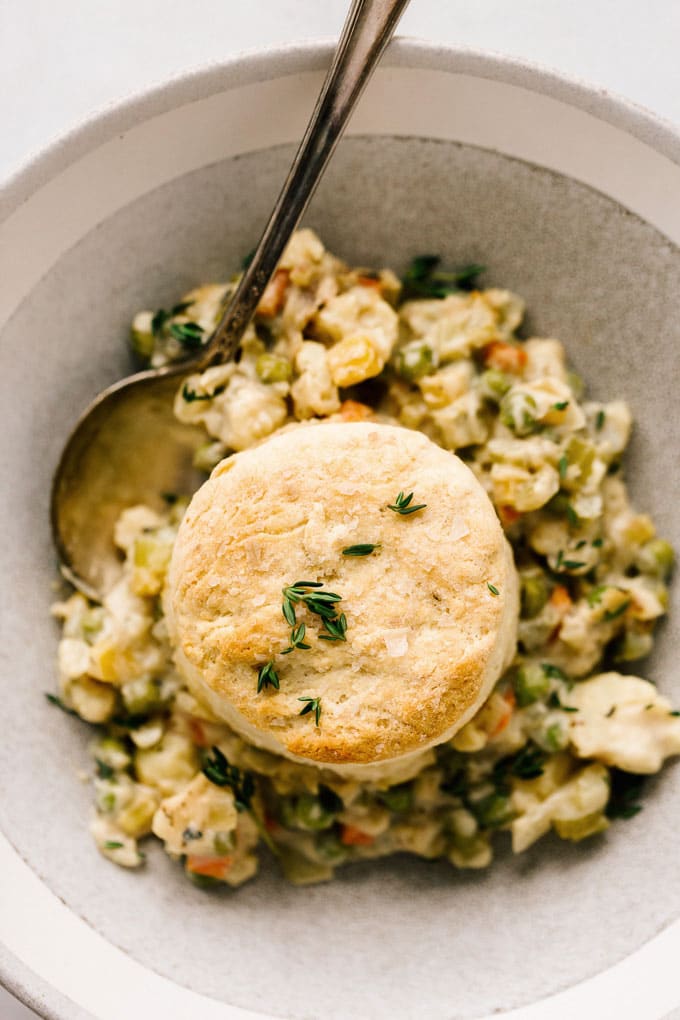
column 397, row 939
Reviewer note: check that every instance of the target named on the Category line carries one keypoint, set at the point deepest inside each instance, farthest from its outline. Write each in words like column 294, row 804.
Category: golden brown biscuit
column 431, row 614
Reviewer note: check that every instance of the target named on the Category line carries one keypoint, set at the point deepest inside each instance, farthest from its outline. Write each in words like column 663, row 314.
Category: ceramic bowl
column 570, row 197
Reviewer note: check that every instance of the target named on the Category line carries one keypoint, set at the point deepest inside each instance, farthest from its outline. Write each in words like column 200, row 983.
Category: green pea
column 493, row 810
column 414, row 360
column 224, row 842
column 141, row 696
column 531, row 684
column 555, row 738
column 518, row 412
column 311, row 814
column 534, row 594
column 494, row 384
column 330, row 848
column 271, row 368
column 397, row 798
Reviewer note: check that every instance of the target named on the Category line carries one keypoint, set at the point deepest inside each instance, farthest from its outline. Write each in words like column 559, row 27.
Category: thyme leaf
column 312, row 705
column 364, row 549
column 297, row 637
column 404, row 505
column 191, row 395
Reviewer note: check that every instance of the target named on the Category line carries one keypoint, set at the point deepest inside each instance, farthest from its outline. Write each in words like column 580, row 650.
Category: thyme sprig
column 423, row 278
column 404, row 505
column 218, row 770
column 321, row 603
column 312, row 705
column 267, row 677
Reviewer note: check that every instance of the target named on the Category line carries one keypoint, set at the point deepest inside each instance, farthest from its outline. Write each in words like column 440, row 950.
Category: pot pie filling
column 231, row 711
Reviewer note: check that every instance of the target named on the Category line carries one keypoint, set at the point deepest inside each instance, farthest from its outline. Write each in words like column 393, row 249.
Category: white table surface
column 62, row 61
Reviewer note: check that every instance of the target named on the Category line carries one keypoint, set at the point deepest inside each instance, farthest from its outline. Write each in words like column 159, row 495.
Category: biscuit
column 431, row 613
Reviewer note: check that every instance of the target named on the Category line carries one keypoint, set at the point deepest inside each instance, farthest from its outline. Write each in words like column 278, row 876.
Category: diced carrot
column 271, row 301
column 508, row 697
column 370, row 281
column 508, row 515
column 351, row 836
column 560, row 598
column 505, row 357
column 212, row 867
column 197, row 731
column 352, row 410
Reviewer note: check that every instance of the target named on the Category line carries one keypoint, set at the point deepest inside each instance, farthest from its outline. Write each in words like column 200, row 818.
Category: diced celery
column 272, row 368
column 224, row 842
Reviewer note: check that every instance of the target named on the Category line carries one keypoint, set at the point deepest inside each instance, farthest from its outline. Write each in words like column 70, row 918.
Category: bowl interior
column 401, row 938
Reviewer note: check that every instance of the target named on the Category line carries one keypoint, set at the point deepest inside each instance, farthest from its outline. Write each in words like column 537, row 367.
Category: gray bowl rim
column 250, row 68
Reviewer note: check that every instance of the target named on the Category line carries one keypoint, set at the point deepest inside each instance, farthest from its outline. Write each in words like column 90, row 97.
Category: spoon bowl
column 127, row 447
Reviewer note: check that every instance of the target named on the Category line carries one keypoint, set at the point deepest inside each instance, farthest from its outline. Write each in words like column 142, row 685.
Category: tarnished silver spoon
column 128, row 447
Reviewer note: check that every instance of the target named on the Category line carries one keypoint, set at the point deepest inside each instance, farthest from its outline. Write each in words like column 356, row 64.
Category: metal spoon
column 128, row 447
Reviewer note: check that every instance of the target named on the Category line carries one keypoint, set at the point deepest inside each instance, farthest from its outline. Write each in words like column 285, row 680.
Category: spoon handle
column 369, row 27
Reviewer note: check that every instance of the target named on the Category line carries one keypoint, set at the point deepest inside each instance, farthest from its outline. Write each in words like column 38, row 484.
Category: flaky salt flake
column 396, row 642
column 458, row 530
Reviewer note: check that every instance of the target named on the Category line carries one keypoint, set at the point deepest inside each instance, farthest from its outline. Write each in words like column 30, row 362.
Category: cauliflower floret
column 523, row 473
column 169, row 766
column 611, row 426
column 545, row 358
column 360, row 311
column 509, row 309
column 584, row 796
column 442, row 387
column 461, row 423
column 241, row 411
column 453, row 326
column 132, row 523
column 314, row 392
column 622, row 721
column 189, row 821
column 114, row 844
column 93, row 701
column 303, row 247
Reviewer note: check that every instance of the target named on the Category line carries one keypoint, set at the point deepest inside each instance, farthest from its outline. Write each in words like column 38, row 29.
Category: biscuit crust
column 427, row 637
